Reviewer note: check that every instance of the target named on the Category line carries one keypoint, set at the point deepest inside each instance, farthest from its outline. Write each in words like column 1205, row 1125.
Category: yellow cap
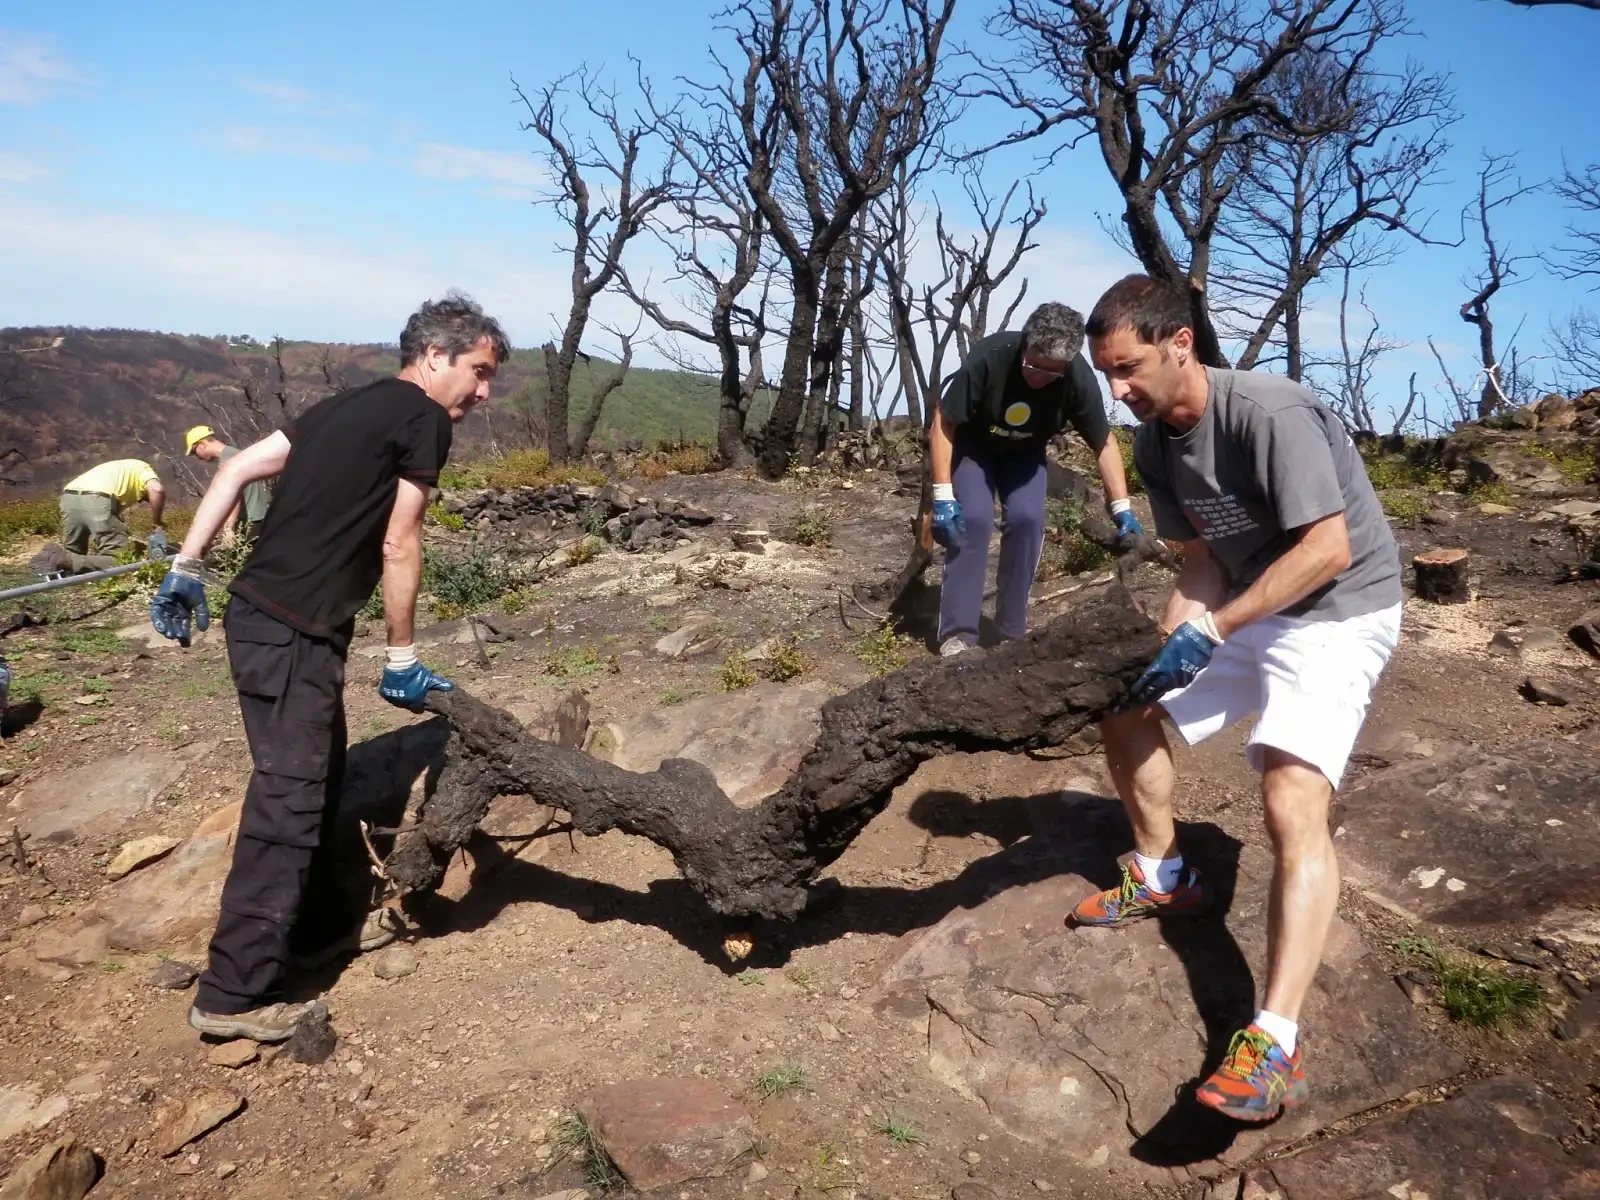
column 195, row 436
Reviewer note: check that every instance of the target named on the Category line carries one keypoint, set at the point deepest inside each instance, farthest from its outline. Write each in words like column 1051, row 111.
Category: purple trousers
column 1018, row 480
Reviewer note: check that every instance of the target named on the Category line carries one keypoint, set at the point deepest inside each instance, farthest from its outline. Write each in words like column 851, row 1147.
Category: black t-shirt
column 319, row 553
column 988, row 400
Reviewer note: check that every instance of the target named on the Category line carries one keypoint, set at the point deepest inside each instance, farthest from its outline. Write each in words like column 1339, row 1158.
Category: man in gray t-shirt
column 204, row 444
column 1287, row 606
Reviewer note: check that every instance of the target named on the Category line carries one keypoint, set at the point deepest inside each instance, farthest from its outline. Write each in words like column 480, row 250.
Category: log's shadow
column 1093, row 831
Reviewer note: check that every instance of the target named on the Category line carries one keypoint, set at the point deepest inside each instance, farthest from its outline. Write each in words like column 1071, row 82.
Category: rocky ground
column 932, row 1029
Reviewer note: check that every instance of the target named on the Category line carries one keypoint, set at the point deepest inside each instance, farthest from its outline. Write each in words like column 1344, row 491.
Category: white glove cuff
column 944, row 491
column 1121, row 506
column 193, row 568
column 400, row 657
column 1207, row 624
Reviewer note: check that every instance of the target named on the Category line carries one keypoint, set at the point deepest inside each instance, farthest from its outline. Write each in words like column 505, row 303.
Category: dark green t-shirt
column 989, row 401
column 257, row 494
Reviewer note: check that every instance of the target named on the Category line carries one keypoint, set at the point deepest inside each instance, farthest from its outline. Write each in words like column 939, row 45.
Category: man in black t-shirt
column 1014, row 392
column 346, row 514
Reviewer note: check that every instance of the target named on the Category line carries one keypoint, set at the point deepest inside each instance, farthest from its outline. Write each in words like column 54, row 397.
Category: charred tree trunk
column 758, row 862
column 783, row 425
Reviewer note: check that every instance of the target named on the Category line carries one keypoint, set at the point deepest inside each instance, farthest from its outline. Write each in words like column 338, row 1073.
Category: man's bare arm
column 260, row 461
column 941, row 447
column 1112, row 476
column 1202, row 586
column 1321, row 551
column 157, row 495
column 402, row 562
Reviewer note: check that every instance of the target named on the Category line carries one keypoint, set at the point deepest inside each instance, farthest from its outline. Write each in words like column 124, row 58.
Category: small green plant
column 1474, row 993
column 22, row 518
column 89, row 639
column 785, row 661
column 782, row 1079
column 576, row 1138
column 575, row 662
column 812, row 527
column 677, row 695
column 801, row 976
column 1404, row 505
column 445, row 519
column 86, row 720
column 168, row 730
column 585, row 549
column 31, row 685
column 1493, row 493
column 751, row 979
column 455, row 477
column 111, row 966
column 1068, row 549
column 735, row 673
column 898, row 1130
column 660, row 622
column 883, row 651
column 95, row 685
column 1574, row 467
column 463, row 583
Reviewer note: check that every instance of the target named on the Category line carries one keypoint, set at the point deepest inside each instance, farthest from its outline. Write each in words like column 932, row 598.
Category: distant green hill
column 70, row 397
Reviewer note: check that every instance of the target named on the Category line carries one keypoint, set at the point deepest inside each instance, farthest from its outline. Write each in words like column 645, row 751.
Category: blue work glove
column 157, row 544
column 1184, row 656
column 407, row 686
column 948, row 523
column 1128, row 526
column 182, row 595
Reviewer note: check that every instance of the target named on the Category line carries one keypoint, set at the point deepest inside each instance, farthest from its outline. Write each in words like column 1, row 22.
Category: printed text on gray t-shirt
column 1266, row 458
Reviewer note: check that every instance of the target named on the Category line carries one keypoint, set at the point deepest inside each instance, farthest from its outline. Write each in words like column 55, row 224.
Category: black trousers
column 284, row 892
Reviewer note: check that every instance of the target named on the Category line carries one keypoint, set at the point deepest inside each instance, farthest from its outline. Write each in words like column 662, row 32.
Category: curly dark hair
column 455, row 325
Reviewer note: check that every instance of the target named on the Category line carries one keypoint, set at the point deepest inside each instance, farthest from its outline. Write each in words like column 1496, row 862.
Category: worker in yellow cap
column 203, row 443
column 92, row 531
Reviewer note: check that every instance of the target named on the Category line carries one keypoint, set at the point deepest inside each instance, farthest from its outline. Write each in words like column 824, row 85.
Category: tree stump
column 1031, row 693
column 1442, row 576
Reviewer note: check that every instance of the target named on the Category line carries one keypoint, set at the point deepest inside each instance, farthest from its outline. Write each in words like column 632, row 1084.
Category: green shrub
column 735, row 673
column 1404, row 505
column 447, row 520
column 883, row 650
column 1068, row 549
column 21, row 518
column 812, row 528
column 462, row 583
column 785, row 662
column 1475, row 993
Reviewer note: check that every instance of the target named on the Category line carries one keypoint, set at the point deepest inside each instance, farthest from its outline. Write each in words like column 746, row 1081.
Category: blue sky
column 314, row 170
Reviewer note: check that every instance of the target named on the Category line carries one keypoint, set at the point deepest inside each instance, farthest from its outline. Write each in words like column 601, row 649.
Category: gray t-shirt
column 1266, row 458
column 257, row 495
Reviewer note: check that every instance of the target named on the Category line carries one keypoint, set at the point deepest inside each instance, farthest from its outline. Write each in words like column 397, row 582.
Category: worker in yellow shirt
column 92, row 531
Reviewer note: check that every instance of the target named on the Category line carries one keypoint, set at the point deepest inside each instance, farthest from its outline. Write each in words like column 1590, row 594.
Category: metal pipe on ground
column 50, row 585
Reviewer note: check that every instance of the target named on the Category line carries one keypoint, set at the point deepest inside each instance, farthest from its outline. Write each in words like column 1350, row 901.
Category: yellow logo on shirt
column 1018, row 413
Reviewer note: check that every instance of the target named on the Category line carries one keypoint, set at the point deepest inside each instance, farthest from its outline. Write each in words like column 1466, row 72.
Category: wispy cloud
column 16, row 169
column 31, row 72
column 436, row 160
column 290, row 143
column 292, row 96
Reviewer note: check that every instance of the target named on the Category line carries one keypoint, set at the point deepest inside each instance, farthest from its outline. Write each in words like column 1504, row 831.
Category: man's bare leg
column 1305, row 878
column 1141, row 768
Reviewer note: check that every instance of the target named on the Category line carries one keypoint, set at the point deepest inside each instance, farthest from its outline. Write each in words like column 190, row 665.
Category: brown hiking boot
column 53, row 559
column 269, row 1023
column 380, row 928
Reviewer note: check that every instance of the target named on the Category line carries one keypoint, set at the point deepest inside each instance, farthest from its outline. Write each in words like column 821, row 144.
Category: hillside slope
column 70, row 397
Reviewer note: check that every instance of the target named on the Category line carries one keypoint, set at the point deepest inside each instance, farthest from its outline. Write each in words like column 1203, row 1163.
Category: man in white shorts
column 1287, row 606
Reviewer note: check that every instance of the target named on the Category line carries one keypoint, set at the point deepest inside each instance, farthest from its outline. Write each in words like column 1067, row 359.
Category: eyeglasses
column 1047, row 372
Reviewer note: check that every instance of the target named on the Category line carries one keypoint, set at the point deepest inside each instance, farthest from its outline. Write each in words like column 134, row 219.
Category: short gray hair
column 455, row 325
column 1053, row 331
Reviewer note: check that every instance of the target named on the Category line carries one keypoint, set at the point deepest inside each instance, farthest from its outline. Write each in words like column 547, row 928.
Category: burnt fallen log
column 758, row 862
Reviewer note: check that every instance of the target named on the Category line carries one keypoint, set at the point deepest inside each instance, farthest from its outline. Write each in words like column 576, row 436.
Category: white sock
column 1284, row 1031
column 1162, row 874
column 401, row 657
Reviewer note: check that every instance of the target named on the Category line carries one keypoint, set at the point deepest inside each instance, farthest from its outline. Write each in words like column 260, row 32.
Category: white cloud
column 31, row 72
column 436, row 160
column 290, row 143
column 288, row 95
column 16, row 169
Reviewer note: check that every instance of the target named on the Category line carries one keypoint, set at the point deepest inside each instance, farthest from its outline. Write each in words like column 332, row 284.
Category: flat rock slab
column 1091, row 1041
column 174, row 901
column 1469, row 836
column 1493, row 1141
column 752, row 740
column 667, row 1131
column 22, row 1110
column 139, row 853
column 96, row 799
column 180, row 1122
column 63, row 1170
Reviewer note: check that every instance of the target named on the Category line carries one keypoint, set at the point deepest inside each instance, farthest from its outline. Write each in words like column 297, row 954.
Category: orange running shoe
column 1134, row 899
column 1257, row 1080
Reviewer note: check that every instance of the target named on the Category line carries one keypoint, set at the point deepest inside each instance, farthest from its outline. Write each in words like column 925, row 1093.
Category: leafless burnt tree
column 854, row 85
column 1173, row 92
column 1377, row 140
column 1346, row 382
column 630, row 188
column 1498, row 186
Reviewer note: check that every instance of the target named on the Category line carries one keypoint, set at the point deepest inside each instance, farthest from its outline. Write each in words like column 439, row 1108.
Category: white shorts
column 1310, row 681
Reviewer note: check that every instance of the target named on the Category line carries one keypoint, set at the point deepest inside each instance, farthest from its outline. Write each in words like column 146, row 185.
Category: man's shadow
column 1090, row 832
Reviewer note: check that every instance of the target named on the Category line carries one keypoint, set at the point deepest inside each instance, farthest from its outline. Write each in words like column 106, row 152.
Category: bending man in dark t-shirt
column 355, row 473
column 1014, row 392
